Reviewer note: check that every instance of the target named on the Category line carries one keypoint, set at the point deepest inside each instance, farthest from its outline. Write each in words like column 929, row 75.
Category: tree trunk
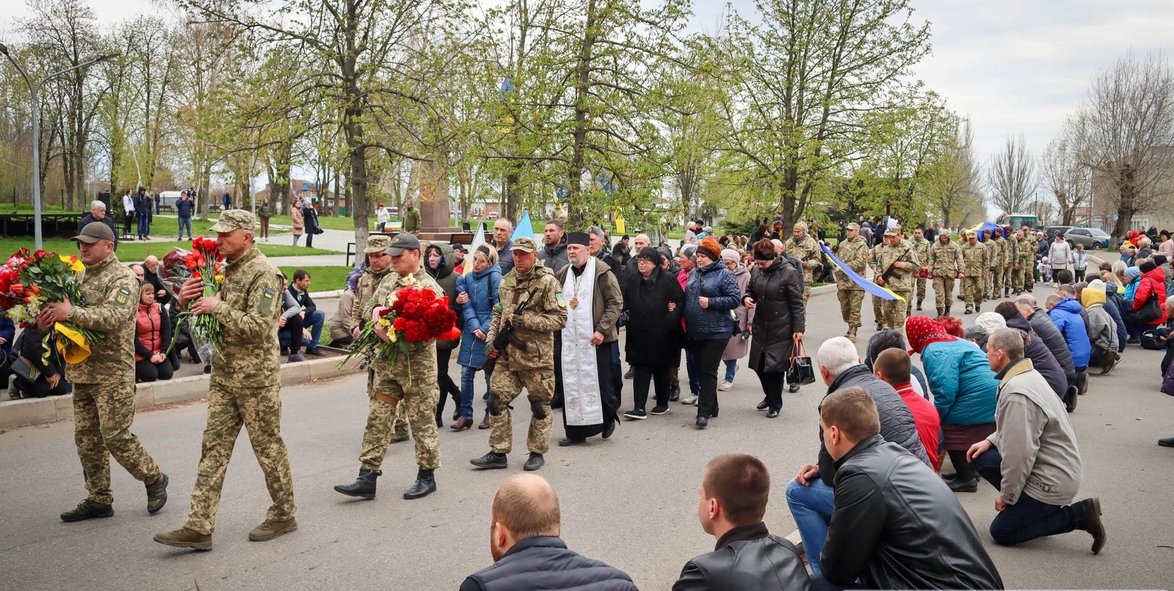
column 1127, row 202
column 579, row 131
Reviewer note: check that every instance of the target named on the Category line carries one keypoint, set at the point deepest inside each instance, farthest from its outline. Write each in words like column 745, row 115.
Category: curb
column 40, row 411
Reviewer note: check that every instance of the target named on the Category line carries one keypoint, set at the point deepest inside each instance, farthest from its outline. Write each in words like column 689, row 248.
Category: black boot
column 87, row 509
column 491, row 461
column 363, row 486
column 536, row 408
column 674, row 392
column 425, row 485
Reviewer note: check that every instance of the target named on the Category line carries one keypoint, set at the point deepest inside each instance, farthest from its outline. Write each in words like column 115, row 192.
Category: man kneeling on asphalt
column 896, row 524
column 527, row 551
column 1031, row 458
column 734, row 493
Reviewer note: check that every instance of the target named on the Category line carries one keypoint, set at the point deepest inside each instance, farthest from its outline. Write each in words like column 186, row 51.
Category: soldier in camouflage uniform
column 1010, row 259
column 921, row 249
column 898, row 258
column 999, row 261
column 245, row 388
column 878, row 304
column 853, row 252
column 532, row 367
column 407, row 383
column 104, row 383
column 945, row 265
column 1027, row 246
column 974, row 266
column 806, row 250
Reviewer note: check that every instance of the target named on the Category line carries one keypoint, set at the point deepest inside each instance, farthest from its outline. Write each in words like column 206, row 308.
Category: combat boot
column 157, row 494
column 1088, row 518
column 851, row 336
column 363, row 486
column 536, row 408
column 534, row 462
column 186, row 538
column 272, row 529
column 491, row 460
column 87, row 509
column 425, row 485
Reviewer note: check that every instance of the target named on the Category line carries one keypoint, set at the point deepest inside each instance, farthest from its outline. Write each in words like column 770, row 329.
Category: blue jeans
column 691, row 369
column 144, row 224
column 467, row 374
column 185, row 223
column 315, row 322
column 811, row 506
column 731, row 368
column 1028, row 518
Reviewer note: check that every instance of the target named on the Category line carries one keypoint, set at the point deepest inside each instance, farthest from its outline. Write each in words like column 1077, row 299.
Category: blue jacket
column 1115, row 312
column 717, row 283
column 544, row 562
column 1066, row 316
column 478, row 311
column 7, row 332
column 184, row 207
column 964, row 387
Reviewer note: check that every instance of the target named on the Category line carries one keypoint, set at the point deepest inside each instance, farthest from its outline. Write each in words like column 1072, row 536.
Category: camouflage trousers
column 997, row 282
column 972, row 291
column 920, row 290
column 380, row 381
column 878, row 310
column 943, row 289
column 850, row 301
column 808, row 279
column 397, row 397
column 895, row 311
column 1017, row 281
column 258, row 410
column 103, row 414
column 1008, row 279
column 508, row 384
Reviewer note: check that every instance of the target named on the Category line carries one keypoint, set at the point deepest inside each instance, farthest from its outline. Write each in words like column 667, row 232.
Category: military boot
column 1088, row 518
column 272, row 529
column 534, row 462
column 490, row 460
column 851, row 335
column 157, row 494
column 185, row 538
column 363, row 486
column 87, row 509
column 425, row 485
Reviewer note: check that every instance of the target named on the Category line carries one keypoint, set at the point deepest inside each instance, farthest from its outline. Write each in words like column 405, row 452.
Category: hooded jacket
column 1102, row 331
column 1043, row 326
column 554, row 258
column 481, row 287
column 1152, row 284
column 1066, row 315
column 447, row 280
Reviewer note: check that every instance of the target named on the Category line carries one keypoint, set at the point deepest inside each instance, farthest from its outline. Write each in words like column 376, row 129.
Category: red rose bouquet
column 410, row 318
column 206, row 263
column 29, row 281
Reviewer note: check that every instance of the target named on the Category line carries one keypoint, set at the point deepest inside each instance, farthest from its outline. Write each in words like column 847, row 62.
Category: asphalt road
column 630, row 501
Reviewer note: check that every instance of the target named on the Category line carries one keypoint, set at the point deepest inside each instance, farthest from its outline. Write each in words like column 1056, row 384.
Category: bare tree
column 1062, row 173
column 952, row 183
column 1012, row 177
column 1127, row 133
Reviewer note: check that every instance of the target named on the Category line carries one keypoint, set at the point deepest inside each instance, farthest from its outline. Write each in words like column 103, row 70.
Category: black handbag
column 1150, row 310
column 801, row 370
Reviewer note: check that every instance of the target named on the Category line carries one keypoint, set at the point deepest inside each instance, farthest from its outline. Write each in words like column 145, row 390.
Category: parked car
column 1090, row 237
column 1051, row 231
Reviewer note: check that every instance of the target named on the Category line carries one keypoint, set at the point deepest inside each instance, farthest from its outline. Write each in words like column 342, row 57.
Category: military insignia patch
column 266, row 304
column 123, row 295
column 562, row 302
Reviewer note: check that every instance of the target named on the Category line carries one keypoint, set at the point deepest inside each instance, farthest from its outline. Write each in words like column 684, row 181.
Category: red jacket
column 1153, row 282
column 151, row 330
column 927, row 421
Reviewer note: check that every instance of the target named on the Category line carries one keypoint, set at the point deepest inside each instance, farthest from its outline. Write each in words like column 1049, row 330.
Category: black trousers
column 607, row 396
column 447, row 386
column 659, row 376
column 772, row 384
column 708, row 356
column 145, row 371
column 293, row 327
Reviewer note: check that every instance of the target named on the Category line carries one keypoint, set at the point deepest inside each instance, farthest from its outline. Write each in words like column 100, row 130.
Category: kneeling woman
column 152, row 336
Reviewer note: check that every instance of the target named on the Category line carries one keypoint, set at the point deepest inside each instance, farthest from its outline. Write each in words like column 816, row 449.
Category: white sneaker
column 690, row 399
column 722, row 387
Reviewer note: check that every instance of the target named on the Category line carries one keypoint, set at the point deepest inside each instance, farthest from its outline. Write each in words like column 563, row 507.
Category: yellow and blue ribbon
column 870, row 287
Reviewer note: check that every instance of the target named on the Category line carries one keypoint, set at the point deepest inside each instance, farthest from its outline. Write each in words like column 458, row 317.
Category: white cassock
column 581, row 400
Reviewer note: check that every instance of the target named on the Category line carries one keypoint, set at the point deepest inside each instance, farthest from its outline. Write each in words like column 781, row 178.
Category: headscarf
column 923, row 330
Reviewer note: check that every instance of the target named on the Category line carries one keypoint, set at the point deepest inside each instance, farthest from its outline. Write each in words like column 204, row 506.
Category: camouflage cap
column 95, row 231
column 377, row 244
column 524, row 244
column 235, row 219
column 893, row 231
column 852, row 226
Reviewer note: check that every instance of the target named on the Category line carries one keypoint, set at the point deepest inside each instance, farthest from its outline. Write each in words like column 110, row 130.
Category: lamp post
column 36, row 110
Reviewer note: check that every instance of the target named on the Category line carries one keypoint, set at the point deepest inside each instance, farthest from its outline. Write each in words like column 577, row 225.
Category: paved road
column 629, row 501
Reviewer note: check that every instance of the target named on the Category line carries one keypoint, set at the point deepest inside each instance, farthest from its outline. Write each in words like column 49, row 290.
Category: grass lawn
column 322, row 278
column 137, row 251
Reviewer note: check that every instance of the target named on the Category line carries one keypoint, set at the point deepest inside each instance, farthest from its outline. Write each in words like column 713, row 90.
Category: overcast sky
column 1013, row 66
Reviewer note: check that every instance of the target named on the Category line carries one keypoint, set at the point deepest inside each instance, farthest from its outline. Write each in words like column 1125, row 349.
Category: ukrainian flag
column 868, row 286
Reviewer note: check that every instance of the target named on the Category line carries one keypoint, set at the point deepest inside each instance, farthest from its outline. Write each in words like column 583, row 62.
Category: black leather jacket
column 746, row 558
column 897, row 525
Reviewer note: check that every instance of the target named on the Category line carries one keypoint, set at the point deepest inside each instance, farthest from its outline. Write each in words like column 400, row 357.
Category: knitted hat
column 710, row 247
column 731, row 255
column 990, row 321
column 1147, row 266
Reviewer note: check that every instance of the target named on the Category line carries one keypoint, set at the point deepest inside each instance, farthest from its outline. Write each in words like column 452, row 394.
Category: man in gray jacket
column 1032, row 457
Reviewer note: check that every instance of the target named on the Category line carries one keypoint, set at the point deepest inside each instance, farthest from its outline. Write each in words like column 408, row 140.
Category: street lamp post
column 36, row 110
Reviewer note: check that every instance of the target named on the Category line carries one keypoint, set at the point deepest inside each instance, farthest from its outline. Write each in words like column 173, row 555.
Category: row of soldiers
column 1002, row 263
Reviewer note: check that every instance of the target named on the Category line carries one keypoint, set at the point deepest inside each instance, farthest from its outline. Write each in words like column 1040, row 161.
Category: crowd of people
column 545, row 317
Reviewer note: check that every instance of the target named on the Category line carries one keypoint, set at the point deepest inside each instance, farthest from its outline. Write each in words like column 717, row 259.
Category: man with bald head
column 525, row 524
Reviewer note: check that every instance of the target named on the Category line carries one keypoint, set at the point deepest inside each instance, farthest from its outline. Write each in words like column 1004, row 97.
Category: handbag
column 801, row 371
column 1149, row 311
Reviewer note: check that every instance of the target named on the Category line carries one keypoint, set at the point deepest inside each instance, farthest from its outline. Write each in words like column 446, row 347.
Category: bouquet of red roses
column 206, row 263
column 29, row 281
column 411, row 317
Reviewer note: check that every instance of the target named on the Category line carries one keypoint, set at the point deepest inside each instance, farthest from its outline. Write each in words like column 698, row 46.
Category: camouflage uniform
column 1027, row 248
column 921, row 248
column 365, row 302
column 974, row 266
column 853, row 252
column 1010, row 257
column 998, row 259
column 903, row 260
column 407, row 385
column 532, row 368
column 104, row 384
column 877, row 303
column 945, row 262
column 245, row 388
column 806, row 250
